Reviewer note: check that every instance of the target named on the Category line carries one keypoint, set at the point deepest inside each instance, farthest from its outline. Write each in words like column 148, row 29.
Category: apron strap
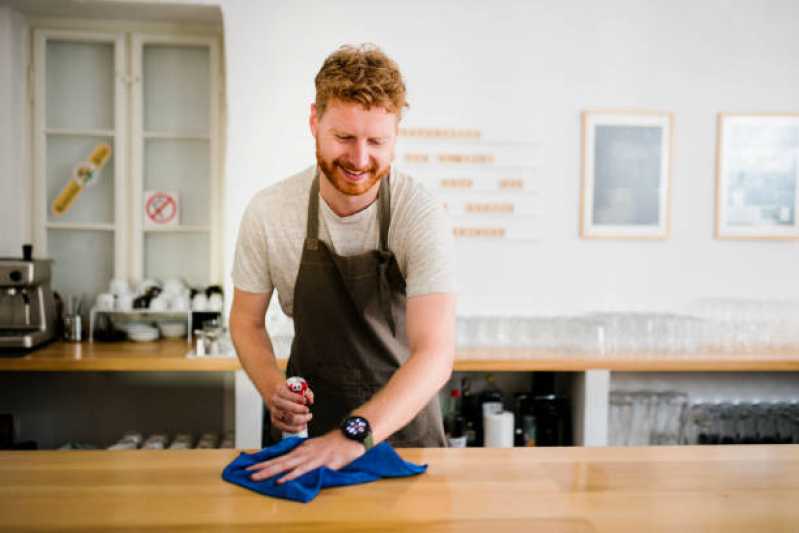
column 384, row 220
column 312, row 231
column 384, row 211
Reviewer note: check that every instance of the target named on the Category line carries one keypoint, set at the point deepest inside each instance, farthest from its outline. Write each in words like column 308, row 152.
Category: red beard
column 334, row 170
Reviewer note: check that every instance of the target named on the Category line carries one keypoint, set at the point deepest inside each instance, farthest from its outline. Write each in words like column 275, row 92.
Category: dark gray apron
column 349, row 329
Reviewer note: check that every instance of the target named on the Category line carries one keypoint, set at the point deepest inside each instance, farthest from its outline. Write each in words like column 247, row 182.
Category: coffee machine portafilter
column 27, row 308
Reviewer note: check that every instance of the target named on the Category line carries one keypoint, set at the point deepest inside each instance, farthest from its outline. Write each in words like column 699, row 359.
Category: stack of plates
column 140, row 332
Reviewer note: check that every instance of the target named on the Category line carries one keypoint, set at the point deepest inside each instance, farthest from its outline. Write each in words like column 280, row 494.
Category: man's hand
column 289, row 410
column 332, row 450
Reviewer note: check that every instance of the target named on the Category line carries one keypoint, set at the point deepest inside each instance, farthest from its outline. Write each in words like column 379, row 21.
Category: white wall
column 15, row 182
column 527, row 70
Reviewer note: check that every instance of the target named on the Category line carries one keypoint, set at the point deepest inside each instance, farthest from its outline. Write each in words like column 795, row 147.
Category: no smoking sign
column 160, row 209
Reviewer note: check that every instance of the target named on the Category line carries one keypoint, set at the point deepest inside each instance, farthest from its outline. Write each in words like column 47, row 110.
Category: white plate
column 143, row 337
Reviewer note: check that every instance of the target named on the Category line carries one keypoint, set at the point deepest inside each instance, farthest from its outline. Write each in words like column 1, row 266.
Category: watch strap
column 369, row 442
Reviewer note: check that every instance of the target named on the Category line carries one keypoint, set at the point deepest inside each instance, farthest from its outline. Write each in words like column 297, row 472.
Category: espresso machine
column 27, row 308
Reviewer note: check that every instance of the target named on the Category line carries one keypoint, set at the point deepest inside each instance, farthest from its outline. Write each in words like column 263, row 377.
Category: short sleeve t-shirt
column 273, row 229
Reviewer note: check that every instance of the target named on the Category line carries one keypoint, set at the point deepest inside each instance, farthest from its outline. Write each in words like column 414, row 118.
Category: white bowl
column 173, row 329
column 140, row 336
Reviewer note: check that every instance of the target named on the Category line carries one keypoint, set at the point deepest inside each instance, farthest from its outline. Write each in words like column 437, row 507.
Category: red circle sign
column 161, row 208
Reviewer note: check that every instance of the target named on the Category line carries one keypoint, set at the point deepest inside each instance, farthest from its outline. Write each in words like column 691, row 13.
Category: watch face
column 356, row 427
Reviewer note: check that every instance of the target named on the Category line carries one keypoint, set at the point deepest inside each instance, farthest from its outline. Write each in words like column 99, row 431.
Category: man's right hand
column 289, row 410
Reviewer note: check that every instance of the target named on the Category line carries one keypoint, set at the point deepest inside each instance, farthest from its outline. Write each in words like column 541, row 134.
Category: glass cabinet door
column 76, row 110
column 176, row 143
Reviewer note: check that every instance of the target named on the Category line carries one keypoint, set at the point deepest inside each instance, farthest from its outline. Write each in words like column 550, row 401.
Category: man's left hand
column 332, row 450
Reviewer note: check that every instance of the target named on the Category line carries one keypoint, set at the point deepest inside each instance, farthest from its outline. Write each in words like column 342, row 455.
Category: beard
column 334, row 171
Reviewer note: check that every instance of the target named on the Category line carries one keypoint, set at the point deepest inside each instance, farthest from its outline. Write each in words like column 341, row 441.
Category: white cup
column 199, row 302
column 124, row 302
column 159, row 304
column 104, row 301
column 146, row 284
column 119, row 286
column 216, row 302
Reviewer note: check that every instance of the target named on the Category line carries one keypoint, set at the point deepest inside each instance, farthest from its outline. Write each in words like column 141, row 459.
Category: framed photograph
column 627, row 168
column 757, row 176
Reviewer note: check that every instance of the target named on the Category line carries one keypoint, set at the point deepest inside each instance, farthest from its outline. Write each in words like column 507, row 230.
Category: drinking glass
column 642, row 418
column 619, row 419
column 669, row 412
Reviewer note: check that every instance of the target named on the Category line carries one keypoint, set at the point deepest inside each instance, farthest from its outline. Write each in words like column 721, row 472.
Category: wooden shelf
column 170, row 355
column 524, row 359
column 163, row 355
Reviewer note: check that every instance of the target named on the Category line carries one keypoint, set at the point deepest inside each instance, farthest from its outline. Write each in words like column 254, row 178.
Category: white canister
column 498, row 429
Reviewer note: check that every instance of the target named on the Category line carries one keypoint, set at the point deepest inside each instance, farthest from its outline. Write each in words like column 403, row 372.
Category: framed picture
column 757, row 176
column 627, row 168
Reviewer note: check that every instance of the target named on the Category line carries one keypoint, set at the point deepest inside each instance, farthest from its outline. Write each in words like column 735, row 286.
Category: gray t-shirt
column 273, row 230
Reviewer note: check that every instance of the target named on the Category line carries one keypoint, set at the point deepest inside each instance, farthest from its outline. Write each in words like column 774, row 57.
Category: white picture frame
column 757, row 176
column 626, row 174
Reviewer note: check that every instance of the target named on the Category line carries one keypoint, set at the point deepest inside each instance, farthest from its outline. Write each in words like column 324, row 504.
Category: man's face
column 354, row 146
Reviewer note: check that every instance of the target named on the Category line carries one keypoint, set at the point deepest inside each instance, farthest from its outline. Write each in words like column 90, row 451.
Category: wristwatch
column 357, row 428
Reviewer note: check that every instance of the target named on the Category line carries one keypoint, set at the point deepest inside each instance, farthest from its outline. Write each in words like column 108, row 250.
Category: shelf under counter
column 170, row 355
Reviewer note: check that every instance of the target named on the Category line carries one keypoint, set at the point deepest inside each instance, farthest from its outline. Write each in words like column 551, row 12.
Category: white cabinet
column 156, row 101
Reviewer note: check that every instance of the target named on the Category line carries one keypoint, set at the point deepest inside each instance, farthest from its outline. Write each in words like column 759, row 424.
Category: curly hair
column 363, row 74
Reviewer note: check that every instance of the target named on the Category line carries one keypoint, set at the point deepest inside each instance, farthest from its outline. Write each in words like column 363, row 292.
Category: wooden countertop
column 170, row 355
column 679, row 489
column 163, row 355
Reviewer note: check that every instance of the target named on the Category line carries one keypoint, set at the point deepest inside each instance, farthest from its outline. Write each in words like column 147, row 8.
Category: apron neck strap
column 312, row 231
column 383, row 212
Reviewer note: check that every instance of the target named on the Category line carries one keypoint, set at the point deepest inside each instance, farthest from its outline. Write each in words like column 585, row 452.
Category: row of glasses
column 712, row 326
column 742, row 423
column 748, row 325
column 643, row 418
column 593, row 333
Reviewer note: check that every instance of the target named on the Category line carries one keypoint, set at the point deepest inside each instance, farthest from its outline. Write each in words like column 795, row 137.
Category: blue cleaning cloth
column 379, row 462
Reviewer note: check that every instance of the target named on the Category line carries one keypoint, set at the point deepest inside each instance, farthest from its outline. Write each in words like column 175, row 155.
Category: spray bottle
column 297, row 385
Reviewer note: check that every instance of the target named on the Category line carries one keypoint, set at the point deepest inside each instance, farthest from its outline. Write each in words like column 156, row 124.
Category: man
column 360, row 255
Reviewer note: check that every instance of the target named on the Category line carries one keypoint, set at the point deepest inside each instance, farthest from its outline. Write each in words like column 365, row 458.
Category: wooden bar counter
column 170, row 355
column 674, row 489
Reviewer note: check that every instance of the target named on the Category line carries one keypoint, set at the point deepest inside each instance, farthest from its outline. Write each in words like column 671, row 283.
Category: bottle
column 491, row 401
column 453, row 412
column 469, row 410
column 454, row 423
column 457, row 439
column 297, row 385
column 521, row 410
